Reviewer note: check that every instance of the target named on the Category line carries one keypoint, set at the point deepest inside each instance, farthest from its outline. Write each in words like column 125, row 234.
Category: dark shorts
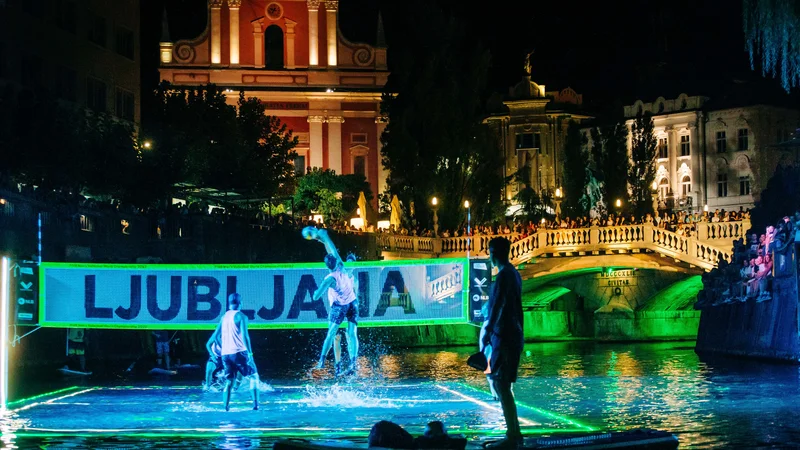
column 162, row 347
column 237, row 363
column 341, row 312
column 504, row 361
column 217, row 361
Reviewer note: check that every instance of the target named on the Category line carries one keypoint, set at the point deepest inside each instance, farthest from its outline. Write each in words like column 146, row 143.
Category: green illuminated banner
column 166, row 296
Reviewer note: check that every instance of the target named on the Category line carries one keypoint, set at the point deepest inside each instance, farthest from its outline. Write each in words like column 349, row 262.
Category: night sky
column 611, row 52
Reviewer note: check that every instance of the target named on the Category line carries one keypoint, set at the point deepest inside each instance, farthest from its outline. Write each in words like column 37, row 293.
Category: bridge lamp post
column 654, row 195
column 557, row 201
column 618, row 204
column 435, row 205
column 469, row 230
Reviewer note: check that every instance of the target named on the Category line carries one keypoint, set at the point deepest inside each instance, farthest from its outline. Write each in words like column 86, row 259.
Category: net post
column 4, row 299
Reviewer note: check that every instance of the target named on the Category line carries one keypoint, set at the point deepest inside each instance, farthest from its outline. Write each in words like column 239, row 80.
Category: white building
column 719, row 157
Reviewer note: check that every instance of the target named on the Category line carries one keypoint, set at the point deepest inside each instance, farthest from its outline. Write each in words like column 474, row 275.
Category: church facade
column 531, row 125
column 292, row 55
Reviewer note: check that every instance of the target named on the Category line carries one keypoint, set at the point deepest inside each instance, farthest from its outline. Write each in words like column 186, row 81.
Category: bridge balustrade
column 696, row 250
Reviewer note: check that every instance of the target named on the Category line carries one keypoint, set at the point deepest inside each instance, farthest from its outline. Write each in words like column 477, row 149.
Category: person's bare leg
column 326, row 346
column 352, row 344
column 209, row 373
column 226, row 394
column 254, row 387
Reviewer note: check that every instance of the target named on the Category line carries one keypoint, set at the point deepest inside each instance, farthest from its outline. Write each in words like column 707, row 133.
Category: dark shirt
column 505, row 308
column 161, row 336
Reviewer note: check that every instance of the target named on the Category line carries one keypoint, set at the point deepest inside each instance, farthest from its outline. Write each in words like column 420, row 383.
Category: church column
column 335, row 143
column 313, row 33
column 233, row 7
column 216, row 30
column 290, row 61
column 258, row 44
column 331, row 8
column 672, row 148
column 698, row 183
column 383, row 174
column 315, row 140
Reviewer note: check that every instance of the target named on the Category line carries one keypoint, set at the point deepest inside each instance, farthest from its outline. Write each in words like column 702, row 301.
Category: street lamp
column 618, row 204
column 147, row 145
column 469, row 230
column 435, row 204
column 558, row 202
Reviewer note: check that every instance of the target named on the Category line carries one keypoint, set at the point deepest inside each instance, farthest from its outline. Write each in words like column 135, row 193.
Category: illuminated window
column 685, row 145
column 722, row 142
column 722, row 184
column 743, row 139
column 663, row 188
column 663, row 150
column 273, row 43
column 744, row 185
column 686, row 186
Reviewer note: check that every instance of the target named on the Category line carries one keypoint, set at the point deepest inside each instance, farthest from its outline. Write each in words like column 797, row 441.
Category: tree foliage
column 781, row 197
column 643, row 165
column 772, row 30
column 610, row 154
column 201, row 139
column 435, row 143
column 576, row 177
column 330, row 194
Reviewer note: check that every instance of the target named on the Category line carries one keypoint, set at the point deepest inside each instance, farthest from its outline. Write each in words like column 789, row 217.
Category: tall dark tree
column 610, row 155
column 576, row 176
column 643, row 165
column 435, row 142
column 200, row 139
column 314, row 189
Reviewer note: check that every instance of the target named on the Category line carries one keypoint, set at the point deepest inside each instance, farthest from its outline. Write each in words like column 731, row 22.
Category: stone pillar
column 331, row 9
column 258, row 44
column 335, row 143
column 698, row 183
column 233, row 20
column 383, row 174
column 216, row 29
column 315, row 140
column 290, row 35
column 313, row 32
column 672, row 148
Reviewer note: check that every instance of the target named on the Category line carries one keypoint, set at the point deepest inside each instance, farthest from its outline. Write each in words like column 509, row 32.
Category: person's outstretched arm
column 322, row 236
column 213, row 338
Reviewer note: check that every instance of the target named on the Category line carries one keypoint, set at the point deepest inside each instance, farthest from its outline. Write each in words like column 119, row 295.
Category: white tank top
column 342, row 293
column 232, row 339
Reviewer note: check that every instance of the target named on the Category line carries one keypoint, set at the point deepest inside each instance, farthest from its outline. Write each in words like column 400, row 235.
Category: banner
column 25, row 284
column 480, row 281
column 165, row 296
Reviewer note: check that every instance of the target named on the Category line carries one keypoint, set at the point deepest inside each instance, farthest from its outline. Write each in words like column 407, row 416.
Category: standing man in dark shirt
column 504, row 333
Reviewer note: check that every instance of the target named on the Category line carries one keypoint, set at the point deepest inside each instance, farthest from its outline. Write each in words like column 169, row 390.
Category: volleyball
column 309, row 232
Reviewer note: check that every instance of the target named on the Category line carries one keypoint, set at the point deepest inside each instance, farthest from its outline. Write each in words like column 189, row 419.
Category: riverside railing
column 710, row 243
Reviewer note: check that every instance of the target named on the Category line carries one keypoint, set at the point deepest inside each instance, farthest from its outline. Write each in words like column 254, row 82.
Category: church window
column 529, row 141
column 273, row 43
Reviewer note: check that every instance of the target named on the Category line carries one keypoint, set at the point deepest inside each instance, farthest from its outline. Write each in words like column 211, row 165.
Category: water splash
column 337, row 396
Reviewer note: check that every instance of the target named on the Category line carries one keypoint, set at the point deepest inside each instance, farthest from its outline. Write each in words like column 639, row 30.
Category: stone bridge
column 623, row 282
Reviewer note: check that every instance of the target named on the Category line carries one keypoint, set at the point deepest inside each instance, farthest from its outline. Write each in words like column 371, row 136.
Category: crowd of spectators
column 749, row 274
